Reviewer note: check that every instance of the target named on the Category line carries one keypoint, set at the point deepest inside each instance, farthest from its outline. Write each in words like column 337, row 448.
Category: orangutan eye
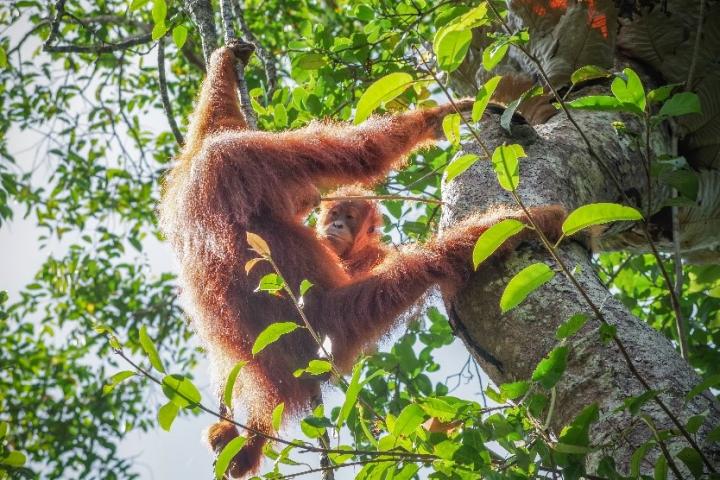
column 349, row 217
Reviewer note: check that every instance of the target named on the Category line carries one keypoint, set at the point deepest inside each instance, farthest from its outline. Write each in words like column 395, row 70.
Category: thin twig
column 167, row 106
column 335, row 467
column 100, row 48
column 55, row 24
column 382, row 197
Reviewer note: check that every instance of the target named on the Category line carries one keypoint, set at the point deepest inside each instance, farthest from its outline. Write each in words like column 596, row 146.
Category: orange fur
column 229, row 181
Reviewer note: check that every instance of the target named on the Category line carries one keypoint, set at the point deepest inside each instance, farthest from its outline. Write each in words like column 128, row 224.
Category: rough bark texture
column 560, row 170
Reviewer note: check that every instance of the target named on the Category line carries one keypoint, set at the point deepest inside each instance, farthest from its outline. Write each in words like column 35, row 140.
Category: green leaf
column 277, row 416
column 311, row 61
column 3, row 57
column 451, row 127
column 439, row 408
column 694, row 423
column 149, row 347
column 180, row 390
column 159, row 11
column 351, row 395
column 280, row 116
column 571, row 326
column 506, row 163
column 230, row 383
column 572, row 449
column 452, row 41
column 682, row 103
column 634, row 403
column 507, row 115
column 315, row 367
column 305, row 286
column 597, row 214
column 167, row 414
column 227, row 454
column 637, row 458
column 116, row 379
column 409, row 419
column 451, row 46
column 159, row 31
column 602, row 103
column 523, row 284
column 459, row 165
column 271, row 334
column 661, row 468
column 483, row 97
column 587, row 73
column 661, row 94
column 4, row 427
column 577, row 433
column 492, row 238
column 271, row 283
column 494, row 54
column 711, row 381
column 714, row 435
column 381, row 91
column 138, row 4
column 179, row 34
column 551, row 368
column 607, row 332
column 692, row 460
column 515, row 389
column 14, row 459
column 630, row 91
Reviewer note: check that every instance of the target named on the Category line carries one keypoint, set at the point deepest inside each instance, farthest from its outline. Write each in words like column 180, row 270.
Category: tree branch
column 263, row 55
column 164, row 93
column 202, row 15
column 230, row 36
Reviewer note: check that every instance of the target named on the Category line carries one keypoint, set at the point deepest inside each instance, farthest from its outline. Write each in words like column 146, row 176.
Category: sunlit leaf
column 514, row 390
column 277, row 416
column 629, row 90
column 179, row 34
column 351, row 394
column 492, row 238
column 571, row 326
column 149, row 347
column 551, row 368
column 14, row 459
column 315, row 367
column 226, row 455
column 506, row 163
column 587, row 73
column 381, row 91
column 483, row 97
column 597, row 214
column 230, row 383
column 451, row 128
column 272, row 334
column 459, row 165
column 181, row 391
column 409, row 419
column 271, row 283
column 602, row 103
column 116, row 379
column 523, row 284
column 166, row 415
column 494, row 54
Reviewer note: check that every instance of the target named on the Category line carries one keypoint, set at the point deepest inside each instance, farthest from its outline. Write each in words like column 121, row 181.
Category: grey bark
column 559, row 170
column 202, row 15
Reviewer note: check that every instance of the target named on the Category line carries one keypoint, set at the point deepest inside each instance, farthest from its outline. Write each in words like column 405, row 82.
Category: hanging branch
column 230, row 37
column 265, row 57
column 164, row 93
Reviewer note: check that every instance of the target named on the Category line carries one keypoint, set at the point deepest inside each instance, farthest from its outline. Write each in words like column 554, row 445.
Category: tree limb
column 263, row 55
column 164, row 93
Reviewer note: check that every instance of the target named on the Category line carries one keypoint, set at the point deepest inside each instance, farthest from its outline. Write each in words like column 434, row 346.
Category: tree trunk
column 559, row 170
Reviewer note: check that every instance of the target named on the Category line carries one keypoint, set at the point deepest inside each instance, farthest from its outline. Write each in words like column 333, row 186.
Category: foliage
column 69, row 398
